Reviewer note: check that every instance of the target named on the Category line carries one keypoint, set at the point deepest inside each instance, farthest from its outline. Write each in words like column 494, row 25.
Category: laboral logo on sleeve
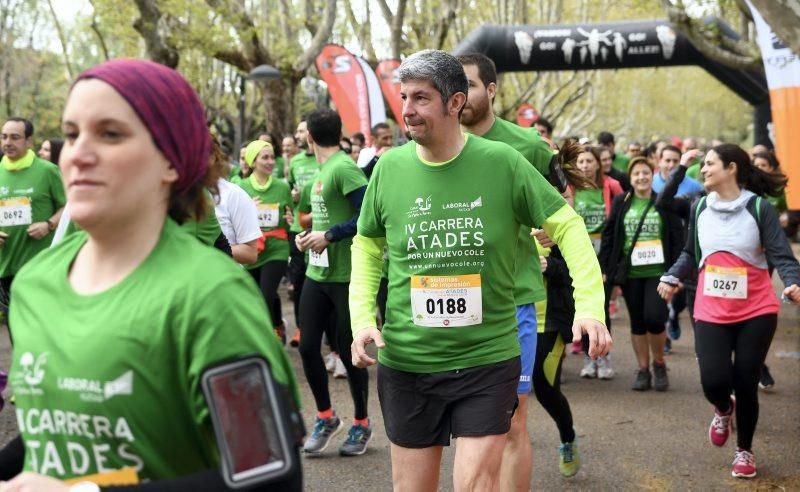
column 30, row 374
column 94, row 390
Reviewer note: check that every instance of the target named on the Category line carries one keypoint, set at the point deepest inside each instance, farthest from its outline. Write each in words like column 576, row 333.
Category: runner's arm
column 686, row 261
column 666, row 200
column 568, row 231
column 777, row 247
column 365, row 278
column 348, row 229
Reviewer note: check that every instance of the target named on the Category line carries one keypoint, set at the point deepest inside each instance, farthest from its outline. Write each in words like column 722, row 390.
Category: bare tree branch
column 783, row 16
column 150, row 26
column 322, row 36
column 96, row 28
column 63, row 40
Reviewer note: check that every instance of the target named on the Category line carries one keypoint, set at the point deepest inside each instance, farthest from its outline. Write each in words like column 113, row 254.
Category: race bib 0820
column 726, row 282
column 444, row 301
column 15, row 211
column 647, row 253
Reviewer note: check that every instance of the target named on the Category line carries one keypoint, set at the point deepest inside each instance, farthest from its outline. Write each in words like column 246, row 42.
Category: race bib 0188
column 725, row 282
column 441, row 301
column 15, row 211
column 647, row 253
column 268, row 215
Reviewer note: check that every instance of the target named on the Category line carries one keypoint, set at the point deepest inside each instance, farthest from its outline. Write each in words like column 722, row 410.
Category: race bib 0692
column 726, row 282
column 441, row 301
column 647, row 253
column 15, row 211
column 268, row 215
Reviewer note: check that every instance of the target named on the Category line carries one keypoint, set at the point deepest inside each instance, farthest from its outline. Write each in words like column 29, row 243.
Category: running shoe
column 356, row 443
column 576, row 348
column 295, row 341
column 642, row 382
column 330, row 361
column 660, row 378
column 604, row 369
column 324, row 430
column 280, row 332
column 673, row 326
column 744, row 464
column 569, row 458
column 766, row 381
column 667, row 346
column 720, row 428
column 339, row 372
column 589, row 370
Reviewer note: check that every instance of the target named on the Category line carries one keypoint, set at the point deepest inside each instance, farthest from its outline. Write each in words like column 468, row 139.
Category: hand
column 288, row 216
column 295, row 195
column 360, row 342
column 792, row 293
column 666, row 291
column 315, row 241
column 688, row 157
column 257, row 200
column 599, row 338
column 784, row 220
column 380, row 151
column 543, row 238
column 30, row 482
column 543, row 263
column 299, row 241
column 3, row 237
column 38, row 230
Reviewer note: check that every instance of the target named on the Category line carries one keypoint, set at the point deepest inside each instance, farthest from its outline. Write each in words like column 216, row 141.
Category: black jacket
column 560, row 313
column 613, row 242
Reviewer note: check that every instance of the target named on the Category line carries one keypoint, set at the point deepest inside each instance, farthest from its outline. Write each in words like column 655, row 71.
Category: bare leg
column 416, row 469
column 515, row 472
column 477, row 465
column 657, row 342
column 640, row 348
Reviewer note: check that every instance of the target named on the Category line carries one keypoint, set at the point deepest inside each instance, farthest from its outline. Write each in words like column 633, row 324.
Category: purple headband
column 168, row 107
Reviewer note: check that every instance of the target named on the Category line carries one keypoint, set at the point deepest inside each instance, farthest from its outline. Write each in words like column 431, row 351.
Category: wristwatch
column 50, row 224
column 329, row 236
column 85, row 487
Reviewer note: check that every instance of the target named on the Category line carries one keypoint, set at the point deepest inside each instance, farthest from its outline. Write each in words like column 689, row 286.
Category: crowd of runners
column 473, row 257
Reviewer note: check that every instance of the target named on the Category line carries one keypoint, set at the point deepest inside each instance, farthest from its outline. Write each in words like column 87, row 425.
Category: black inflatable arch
column 610, row 46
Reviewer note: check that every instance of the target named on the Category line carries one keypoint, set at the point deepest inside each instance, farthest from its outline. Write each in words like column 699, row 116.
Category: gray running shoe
column 660, row 378
column 642, row 382
column 324, row 430
column 357, row 438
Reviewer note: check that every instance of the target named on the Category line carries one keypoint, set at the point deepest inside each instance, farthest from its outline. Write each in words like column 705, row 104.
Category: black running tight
column 268, row 277
column 547, row 382
column 317, row 302
column 748, row 342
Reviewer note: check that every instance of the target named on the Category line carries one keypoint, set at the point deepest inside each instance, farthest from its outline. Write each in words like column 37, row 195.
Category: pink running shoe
column 720, row 428
column 744, row 464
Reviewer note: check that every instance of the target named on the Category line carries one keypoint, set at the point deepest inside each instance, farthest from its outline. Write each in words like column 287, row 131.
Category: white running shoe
column 589, row 370
column 339, row 372
column 330, row 361
column 604, row 369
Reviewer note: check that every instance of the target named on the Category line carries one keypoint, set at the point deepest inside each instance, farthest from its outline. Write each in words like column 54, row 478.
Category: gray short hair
column 442, row 69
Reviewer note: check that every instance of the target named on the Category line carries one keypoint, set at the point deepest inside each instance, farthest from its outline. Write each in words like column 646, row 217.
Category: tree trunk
column 783, row 16
column 279, row 105
column 159, row 48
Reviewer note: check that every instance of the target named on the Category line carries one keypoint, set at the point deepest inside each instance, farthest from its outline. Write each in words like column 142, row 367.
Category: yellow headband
column 253, row 149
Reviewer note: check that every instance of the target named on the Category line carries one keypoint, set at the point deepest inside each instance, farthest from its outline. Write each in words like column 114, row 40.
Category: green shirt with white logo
column 590, row 206
column 620, row 163
column 274, row 201
column 112, row 380
column 302, row 169
column 328, row 203
column 528, row 285
column 27, row 196
column 459, row 220
column 651, row 231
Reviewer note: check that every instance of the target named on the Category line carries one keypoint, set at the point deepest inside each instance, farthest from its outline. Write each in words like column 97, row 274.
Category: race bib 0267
column 445, row 301
column 725, row 282
column 15, row 211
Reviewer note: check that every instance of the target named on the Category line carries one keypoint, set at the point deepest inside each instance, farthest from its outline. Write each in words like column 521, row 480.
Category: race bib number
column 319, row 259
column 596, row 242
column 446, row 301
column 121, row 477
column 729, row 283
column 15, row 211
column 647, row 253
column 268, row 215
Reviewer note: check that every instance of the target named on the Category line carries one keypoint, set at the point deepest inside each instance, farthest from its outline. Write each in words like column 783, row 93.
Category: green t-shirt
column 694, row 170
column 528, row 286
column 207, row 230
column 652, row 229
column 329, row 206
column 277, row 171
column 620, row 163
column 274, row 201
column 27, row 196
column 443, row 220
column 779, row 202
column 302, row 169
column 112, row 380
column 589, row 204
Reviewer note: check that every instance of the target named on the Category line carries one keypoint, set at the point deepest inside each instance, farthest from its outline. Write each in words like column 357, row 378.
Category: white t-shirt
column 365, row 156
column 237, row 214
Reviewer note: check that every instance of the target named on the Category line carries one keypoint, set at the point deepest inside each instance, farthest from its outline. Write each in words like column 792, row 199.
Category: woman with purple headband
column 115, row 327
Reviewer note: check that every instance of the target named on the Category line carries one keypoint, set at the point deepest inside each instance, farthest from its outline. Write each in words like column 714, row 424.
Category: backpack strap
column 701, row 205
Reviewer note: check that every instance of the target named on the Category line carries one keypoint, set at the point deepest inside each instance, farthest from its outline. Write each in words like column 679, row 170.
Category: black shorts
column 423, row 410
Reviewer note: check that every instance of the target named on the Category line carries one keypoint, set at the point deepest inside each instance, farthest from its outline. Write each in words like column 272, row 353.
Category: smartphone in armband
column 251, row 424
